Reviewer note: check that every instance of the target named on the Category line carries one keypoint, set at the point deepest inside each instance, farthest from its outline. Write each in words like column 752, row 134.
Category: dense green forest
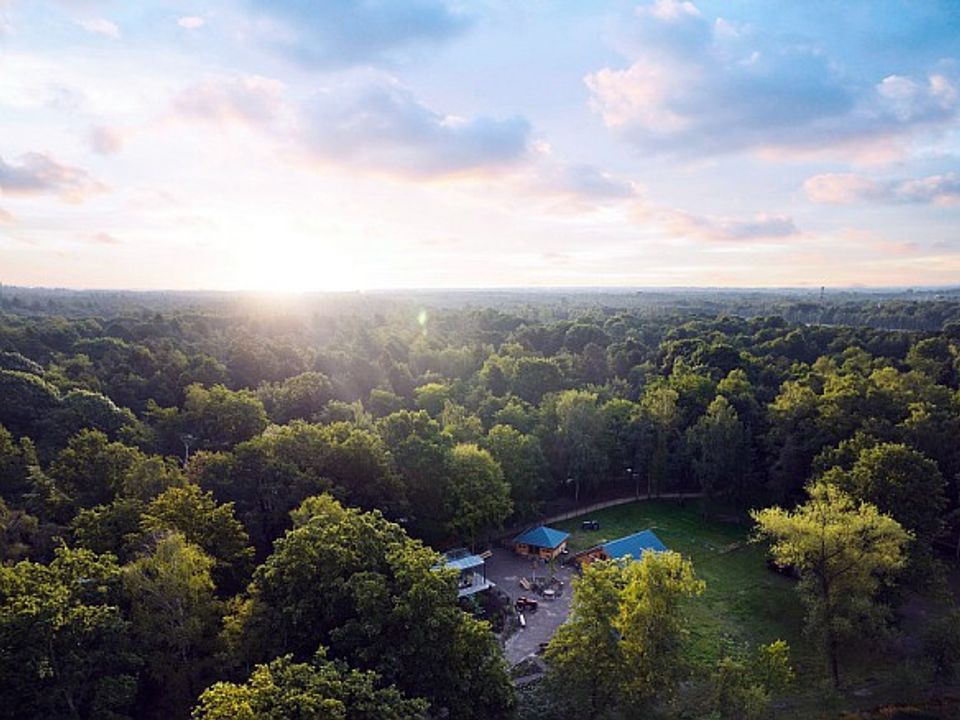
column 230, row 506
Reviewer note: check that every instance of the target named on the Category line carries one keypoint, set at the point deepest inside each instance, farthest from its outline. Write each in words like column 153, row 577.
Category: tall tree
column 523, row 464
column 211, row 526
column 479, row 496
column 623, row 643
column 358, row 585
column 175, row 620
column 844, row 551
column 719, row 451
column 580, row 436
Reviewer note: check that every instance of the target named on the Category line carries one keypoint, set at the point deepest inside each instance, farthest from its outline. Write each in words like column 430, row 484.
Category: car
column 590, row 525
column 525, row 603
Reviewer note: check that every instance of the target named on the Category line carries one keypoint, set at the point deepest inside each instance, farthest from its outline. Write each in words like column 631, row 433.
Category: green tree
column 902, row 483
column 65, row 648
column 219, row 418
column 212, row 527
column 622, row 645
column 421, row 451
column 112, row 528
column 15, row 461
column 743, row 689
column 300, row 397
column 479, row 496
column 287, row 690
column 523, row 464
column 660, row 404
column 580, row 437
column 844, row 551
column 431, row 398
column 534, row 377
column 355, row 583
column 150, row 476
column 719, row 451
column 91, row 469
column 175, row 620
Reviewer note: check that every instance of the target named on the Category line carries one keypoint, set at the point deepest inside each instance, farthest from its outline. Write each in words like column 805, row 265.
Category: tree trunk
column 834, row 664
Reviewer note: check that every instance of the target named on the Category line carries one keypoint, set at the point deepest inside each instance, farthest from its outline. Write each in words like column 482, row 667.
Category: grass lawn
column 744, row 602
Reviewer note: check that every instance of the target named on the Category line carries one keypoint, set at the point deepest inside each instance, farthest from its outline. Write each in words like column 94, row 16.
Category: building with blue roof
column 633, row 546
column 542, row 542
column 472, row 569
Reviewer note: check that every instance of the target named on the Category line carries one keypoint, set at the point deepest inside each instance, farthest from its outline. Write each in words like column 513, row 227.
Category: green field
column 744, row 602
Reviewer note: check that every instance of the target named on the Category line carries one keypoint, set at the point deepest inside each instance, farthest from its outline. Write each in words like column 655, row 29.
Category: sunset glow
column 293, row 146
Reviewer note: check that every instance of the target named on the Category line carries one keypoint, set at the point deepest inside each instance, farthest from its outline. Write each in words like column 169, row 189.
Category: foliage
column 622, row 645
column 65, row 647
column 479, row 496
column 287, row 690
column 175, row 621
column 844, row 551
column 213, row 528
column 355, row 583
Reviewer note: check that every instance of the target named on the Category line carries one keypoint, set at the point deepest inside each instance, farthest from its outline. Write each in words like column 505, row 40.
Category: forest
column 216, row 505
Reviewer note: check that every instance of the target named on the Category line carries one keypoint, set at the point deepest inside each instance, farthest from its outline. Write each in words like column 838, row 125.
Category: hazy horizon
column 435, row 144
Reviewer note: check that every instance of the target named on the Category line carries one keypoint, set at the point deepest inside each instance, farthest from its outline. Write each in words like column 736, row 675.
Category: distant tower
column 822, row 289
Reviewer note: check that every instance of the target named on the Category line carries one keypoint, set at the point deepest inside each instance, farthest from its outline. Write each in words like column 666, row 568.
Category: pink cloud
column 105, row 140
column 849, row 188
column 38, row 174
column 251, row 100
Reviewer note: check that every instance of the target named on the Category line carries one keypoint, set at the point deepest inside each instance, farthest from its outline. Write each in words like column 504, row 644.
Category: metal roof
column 634, row 545
column 544, row 537
column 463, row 562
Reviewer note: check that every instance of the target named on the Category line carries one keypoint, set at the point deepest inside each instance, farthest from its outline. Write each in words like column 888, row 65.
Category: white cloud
column 191, row 22
column 100, row 26
column 251, row 99
column 694, row 86
column 380, row 124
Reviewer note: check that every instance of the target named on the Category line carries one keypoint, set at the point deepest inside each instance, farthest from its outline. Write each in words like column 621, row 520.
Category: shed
column 472, row 569
column 542, row 542
column 633, row 545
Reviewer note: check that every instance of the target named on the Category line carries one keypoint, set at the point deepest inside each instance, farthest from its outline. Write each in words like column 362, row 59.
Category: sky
column 288, row 145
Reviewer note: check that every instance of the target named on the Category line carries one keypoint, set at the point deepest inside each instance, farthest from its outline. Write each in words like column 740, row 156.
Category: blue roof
column 543, row 537
column 634, row 545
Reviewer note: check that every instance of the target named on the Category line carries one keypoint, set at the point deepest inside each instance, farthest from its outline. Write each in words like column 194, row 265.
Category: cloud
column 682, row 224
column 105, row 140
column 697, row 86
column 849, row 188
column 38, row 174
column 100, row 26
column 6, row 218
column 191, row 22
column 352, row 32
column 587, row 182
column 381, row 125
column 724, row 229
column 103, row 238
column 252, row 100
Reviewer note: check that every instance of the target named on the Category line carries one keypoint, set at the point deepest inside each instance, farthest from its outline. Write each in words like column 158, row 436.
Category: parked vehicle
column 590, row 525
column 524, row 603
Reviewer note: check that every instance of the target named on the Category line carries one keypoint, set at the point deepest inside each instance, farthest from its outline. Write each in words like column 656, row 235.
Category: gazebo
column 542, row 542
